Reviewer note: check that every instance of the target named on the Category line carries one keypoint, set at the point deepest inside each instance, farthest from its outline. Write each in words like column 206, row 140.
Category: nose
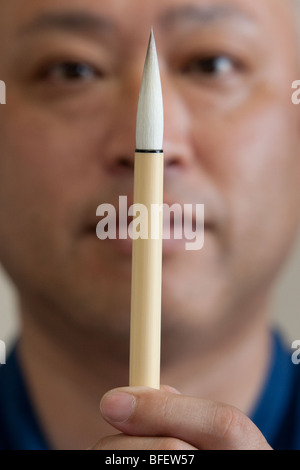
column 120, row 135
column 177, row 129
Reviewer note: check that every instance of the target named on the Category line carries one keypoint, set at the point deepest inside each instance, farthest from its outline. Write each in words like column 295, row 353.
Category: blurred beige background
column 286, row 302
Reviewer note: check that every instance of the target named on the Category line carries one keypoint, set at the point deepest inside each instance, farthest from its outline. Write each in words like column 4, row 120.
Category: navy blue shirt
column 277, row 413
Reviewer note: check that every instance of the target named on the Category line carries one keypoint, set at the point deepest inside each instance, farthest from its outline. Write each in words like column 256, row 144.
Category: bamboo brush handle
column 145, row 325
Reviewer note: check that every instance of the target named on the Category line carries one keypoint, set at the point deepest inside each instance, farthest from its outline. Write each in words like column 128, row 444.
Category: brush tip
column 150, row 121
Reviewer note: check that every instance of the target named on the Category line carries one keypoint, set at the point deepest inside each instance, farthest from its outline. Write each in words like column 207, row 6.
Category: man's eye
column 213, row 67
column 74, row 71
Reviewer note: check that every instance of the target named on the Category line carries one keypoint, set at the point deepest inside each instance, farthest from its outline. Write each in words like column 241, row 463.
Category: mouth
column 181, row 225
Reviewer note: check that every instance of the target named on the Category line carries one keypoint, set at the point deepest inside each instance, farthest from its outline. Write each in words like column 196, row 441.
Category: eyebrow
column 82, row 21
column 203, row 15
column 79, row 21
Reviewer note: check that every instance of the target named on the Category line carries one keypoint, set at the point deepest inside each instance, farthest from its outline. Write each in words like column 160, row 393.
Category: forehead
column 141, row 14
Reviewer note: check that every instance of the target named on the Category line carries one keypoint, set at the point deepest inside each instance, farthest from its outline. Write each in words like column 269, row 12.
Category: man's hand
column 165, row 420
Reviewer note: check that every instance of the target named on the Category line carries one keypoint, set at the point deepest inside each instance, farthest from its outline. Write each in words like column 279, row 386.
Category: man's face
column 67, row 139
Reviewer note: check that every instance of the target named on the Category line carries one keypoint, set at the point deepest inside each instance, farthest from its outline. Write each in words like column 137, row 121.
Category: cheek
column 40, row 176
column 251, row 155
column 261, row 187
column 264, row 167
column 44, row 159
column 44, row 177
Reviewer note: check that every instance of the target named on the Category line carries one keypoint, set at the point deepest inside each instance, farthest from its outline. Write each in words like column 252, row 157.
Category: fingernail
column 117, row 407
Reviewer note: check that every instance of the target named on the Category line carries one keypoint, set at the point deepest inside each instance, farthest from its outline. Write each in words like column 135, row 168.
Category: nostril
column 121, row 165
column 124, row 162
column 171, row 162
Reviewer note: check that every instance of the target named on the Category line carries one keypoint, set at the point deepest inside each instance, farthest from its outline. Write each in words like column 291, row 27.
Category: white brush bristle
column 150, row 116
